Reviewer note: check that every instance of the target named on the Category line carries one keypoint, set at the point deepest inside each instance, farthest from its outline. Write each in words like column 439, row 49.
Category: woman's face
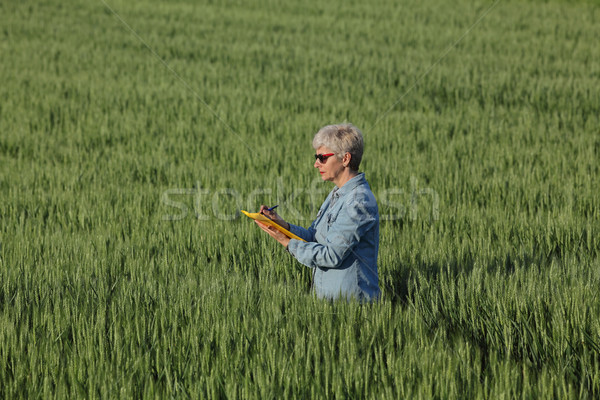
column 331, row 168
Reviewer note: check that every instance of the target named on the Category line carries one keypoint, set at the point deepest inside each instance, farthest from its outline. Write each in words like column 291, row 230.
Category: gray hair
column 341, row 139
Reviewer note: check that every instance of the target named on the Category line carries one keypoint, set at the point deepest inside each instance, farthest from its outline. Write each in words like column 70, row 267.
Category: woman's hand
column 273, row 216
column 276, row 234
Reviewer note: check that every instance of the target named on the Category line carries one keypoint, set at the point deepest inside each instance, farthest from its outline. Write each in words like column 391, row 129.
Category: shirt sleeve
column 353, row 220
column 306, row 234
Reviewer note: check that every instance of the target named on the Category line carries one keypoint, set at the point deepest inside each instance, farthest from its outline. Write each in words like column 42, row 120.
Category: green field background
column 132, row 133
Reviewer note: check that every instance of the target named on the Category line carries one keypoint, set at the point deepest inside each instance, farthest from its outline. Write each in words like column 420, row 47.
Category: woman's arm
column 353, row 221
column 306, row 234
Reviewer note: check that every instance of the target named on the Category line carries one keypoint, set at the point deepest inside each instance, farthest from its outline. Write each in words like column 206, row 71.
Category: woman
column 342, row 242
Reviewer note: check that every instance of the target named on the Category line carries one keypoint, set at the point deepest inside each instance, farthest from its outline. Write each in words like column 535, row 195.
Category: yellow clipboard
column 267, row 221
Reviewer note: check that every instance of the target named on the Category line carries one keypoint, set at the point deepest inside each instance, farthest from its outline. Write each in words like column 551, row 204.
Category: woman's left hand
column 276, row 234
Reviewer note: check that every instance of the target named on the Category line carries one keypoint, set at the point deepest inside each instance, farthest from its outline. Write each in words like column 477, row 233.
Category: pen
column 272, row 208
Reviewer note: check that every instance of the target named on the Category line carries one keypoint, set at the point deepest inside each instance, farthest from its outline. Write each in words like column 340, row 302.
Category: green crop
column 126, row 270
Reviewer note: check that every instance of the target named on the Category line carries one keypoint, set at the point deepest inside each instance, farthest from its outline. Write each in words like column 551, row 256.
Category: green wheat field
column 132, row 133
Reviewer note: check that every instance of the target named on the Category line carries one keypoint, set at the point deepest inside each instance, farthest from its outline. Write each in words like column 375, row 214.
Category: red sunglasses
column 323, row 157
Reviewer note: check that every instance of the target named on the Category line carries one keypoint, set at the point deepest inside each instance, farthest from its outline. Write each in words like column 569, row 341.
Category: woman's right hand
column 273, row 216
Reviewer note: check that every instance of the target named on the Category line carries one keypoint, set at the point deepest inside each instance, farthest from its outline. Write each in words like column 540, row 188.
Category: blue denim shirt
column 342, row 243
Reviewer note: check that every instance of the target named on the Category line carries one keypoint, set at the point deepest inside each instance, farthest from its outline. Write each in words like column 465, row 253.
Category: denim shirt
column 342, row 243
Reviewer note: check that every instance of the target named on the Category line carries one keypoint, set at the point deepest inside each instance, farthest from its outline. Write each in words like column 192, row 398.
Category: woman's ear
column 346, row 159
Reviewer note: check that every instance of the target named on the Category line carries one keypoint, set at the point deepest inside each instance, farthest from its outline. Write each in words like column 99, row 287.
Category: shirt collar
column 350, row 185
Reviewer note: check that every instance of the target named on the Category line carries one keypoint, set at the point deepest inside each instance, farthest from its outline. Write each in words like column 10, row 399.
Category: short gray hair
column 341, row 139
